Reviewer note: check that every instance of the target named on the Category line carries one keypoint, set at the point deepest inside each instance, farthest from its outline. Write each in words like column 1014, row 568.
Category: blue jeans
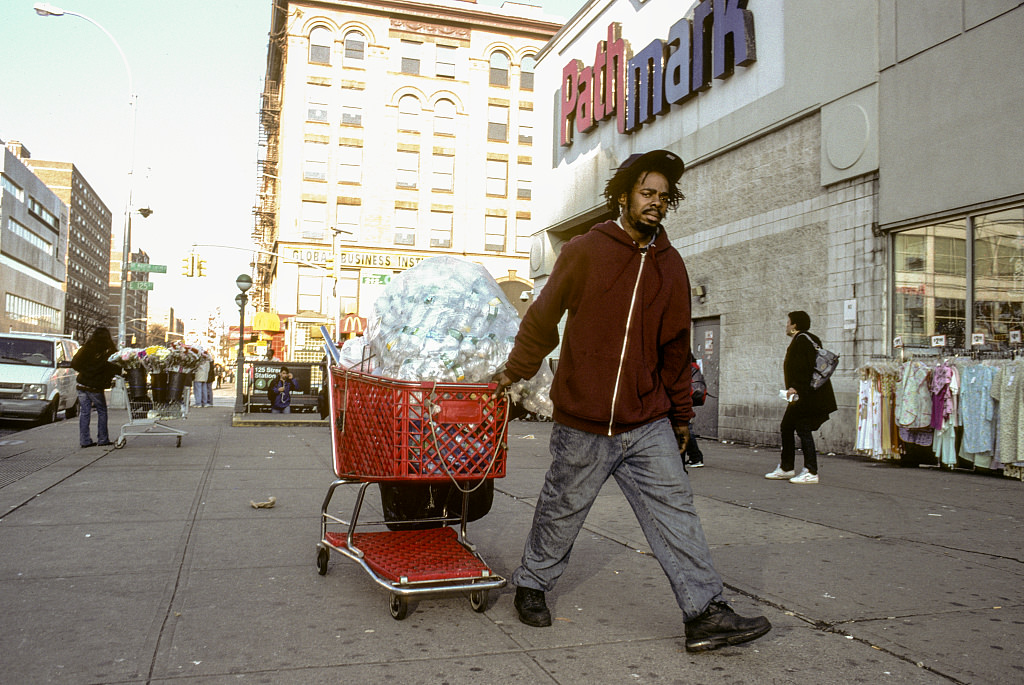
column 86, row 402
column 285, row 410
column 202, row 392
column 646, row 465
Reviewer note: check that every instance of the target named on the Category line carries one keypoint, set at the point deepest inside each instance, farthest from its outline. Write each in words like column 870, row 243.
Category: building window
column 444, row 62
column 320, row 42
column 348, row 290
column 31, row 313
column 33, row 239
column 405, row 226
column 347, row 222
column 36, row 208
column 441, row 229
column 497, row 178
column 355, row 48
column 408, row 171
column 444, row 118
column 524, row 234
column 352, row 106
column 409, row 113
column 443, row 173
column 497, row 123
column 494, row 233
column 931, row 275
column 411, row 57
column 316, row 104
column 311, row 287
column 526, row 72
column 314, row 220
column 12, row 188
column 526, row 127
column 524, row 188
column 350, row 164
column 315, row 166
column 499, row 68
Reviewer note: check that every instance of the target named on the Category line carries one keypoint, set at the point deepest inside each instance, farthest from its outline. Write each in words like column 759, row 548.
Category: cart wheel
column 120, row 443
column 179, row 442
column 399, row 607
column 323, row 555
column 479, row 600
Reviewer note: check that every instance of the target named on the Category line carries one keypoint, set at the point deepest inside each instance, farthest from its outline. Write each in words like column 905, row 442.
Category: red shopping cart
column 389, row 431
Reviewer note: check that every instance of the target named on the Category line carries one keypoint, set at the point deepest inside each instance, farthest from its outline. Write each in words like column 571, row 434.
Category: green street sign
column 147, row 268
column 140, row 285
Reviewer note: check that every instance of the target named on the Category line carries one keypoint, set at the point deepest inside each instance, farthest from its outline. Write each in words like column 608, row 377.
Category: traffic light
column 188, row 266
column 200, row 267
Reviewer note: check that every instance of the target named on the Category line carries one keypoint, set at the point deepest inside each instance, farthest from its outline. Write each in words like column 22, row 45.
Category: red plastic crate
column 387, row 429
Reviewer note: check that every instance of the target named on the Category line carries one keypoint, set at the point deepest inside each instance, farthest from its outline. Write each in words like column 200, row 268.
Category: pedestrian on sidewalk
column 95, row 375
column 808, row 408
column 201, row 387
column 692, row 456
column 621, row 397
column 280, row 392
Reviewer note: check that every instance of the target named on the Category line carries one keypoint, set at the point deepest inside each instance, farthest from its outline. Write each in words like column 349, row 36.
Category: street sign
column 147, row 268
column 140, row 285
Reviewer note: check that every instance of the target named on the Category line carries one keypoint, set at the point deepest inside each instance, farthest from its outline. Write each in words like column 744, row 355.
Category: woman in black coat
column 94, row 376
column 809, row 410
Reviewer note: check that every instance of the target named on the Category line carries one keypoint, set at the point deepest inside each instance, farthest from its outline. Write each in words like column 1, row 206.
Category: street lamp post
column 243, row 283
column 45, row 9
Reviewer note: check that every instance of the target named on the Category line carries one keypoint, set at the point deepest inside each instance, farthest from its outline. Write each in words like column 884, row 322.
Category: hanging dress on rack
column 944, row 443
column 914, row 404
column 977, row 412
column 1007, row 388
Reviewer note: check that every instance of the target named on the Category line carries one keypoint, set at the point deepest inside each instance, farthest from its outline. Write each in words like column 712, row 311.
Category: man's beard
column 640, row 225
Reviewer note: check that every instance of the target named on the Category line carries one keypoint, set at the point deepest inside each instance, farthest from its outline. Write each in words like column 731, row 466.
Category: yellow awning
column 267, row 322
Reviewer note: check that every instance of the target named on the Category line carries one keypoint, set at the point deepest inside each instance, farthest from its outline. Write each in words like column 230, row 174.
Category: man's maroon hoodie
column 625, row 351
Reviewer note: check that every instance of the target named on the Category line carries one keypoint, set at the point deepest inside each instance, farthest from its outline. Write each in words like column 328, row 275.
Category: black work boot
column 719, row 626
column 531, row 607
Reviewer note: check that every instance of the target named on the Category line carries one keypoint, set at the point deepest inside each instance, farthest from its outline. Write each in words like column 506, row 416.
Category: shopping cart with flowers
column 166, row 395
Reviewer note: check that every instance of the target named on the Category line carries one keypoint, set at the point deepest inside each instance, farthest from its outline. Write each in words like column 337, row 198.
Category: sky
column 197, row 68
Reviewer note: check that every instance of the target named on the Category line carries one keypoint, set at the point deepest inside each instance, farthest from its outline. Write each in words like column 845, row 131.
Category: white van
column 36, row 378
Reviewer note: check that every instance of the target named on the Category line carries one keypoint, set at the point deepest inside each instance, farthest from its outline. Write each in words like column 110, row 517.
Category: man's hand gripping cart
column 387, row 431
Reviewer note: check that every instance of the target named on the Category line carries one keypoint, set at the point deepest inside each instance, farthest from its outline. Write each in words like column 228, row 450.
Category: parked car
column 36, row 378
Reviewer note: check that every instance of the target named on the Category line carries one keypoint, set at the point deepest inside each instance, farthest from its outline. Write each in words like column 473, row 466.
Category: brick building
column 857, row 160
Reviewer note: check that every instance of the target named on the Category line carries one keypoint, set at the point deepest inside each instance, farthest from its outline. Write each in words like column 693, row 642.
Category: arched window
column 444, row 118
column 526, row 73
column 320, row 40
column 409, row 113
column 355, row 48
column 499, row 68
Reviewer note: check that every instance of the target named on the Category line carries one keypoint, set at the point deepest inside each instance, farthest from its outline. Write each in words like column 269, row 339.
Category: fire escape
column 264, row 233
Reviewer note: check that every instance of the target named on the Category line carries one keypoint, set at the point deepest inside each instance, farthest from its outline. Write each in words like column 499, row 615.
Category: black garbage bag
column 403, row 503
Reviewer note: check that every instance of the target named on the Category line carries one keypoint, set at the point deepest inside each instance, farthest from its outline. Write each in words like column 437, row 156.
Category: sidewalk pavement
column 148, row 564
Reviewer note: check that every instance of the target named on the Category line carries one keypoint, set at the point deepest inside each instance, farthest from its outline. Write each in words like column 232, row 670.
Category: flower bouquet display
column 181, row 362
column 130, row 361
column 154, row 361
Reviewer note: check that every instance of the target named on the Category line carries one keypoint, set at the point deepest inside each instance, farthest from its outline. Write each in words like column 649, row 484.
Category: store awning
column 266, row 322
column 352, row 323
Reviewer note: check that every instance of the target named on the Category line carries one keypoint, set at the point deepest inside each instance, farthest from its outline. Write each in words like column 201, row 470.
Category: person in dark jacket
column 280, row 392
column 95, row 374
column 622, row 404
column 808, row 408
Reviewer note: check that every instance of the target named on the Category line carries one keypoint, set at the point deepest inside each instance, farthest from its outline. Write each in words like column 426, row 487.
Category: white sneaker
column 779, row 474
column 805, row 477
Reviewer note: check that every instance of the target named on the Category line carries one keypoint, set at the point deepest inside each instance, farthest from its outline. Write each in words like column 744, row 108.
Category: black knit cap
column 663, row 161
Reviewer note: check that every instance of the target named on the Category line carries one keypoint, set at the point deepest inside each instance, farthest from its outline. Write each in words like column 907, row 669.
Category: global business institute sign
column 635, row 89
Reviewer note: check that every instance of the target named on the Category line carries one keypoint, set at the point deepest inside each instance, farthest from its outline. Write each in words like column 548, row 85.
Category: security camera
column 525, row 295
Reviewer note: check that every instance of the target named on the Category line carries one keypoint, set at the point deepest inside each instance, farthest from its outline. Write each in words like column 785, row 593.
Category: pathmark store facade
column 861, row 161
